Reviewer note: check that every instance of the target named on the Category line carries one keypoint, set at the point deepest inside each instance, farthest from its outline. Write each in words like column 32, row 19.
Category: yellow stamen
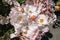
column 41, row 21
column 19, row 19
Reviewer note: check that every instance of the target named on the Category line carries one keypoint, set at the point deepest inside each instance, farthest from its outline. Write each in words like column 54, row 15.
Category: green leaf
column 20, row 1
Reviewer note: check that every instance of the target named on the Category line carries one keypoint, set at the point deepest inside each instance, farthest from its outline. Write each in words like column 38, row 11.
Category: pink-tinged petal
column 36, row 32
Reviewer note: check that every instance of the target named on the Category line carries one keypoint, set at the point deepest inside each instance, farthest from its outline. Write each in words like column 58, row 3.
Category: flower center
column 20, row 9
column 32, row 18
column 41, row 21
column 19, row 19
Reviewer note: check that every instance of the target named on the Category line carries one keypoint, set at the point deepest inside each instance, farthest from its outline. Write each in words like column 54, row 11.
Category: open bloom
column 42, row 19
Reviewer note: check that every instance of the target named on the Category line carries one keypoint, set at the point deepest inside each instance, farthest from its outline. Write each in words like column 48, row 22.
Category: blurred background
column 5, row 30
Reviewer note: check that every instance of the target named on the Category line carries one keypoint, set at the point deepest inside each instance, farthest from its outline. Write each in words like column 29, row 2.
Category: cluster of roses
column 32, row 19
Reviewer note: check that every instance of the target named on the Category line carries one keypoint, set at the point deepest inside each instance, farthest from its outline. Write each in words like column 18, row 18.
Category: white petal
column 13, row 35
